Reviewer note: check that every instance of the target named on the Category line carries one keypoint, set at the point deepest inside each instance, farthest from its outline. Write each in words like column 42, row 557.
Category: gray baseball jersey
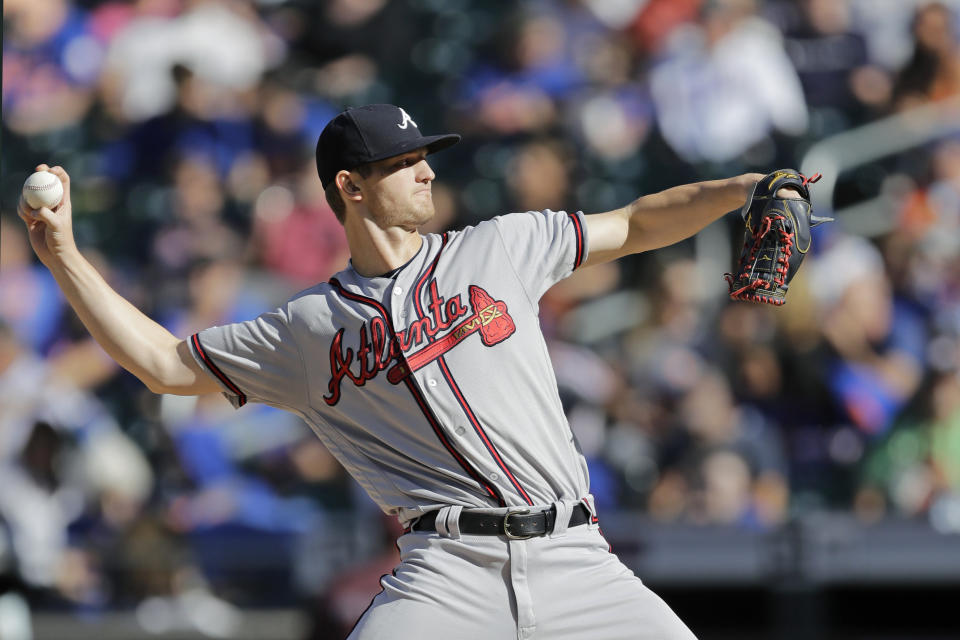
column 432, row 387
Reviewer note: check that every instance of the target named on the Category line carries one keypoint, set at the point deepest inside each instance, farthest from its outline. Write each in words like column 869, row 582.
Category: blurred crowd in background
column 188, row 127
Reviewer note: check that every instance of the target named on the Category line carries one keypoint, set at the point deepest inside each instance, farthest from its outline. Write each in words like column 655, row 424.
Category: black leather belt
column 518, row 523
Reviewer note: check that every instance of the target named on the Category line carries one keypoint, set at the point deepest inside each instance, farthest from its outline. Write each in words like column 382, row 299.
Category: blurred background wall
column 774, row 473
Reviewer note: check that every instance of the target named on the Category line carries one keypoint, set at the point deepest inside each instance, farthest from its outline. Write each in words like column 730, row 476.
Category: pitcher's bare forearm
column 661, row 219
column 664, row 218
column 138, row 344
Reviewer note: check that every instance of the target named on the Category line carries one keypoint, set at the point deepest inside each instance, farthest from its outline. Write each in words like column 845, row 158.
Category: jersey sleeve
column 254, row 361
column 544, row 247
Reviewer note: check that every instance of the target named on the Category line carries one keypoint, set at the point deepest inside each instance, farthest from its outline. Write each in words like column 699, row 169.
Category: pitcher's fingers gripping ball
column 776, row 238
column 42, row 189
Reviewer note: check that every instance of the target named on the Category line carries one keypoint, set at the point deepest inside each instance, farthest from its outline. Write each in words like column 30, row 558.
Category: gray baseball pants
column 558, row 586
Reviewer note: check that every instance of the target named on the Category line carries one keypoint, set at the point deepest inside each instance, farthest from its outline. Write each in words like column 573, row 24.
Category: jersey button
column 432, row 382
column 494, row 476
column 460, row 431
column 397, row 291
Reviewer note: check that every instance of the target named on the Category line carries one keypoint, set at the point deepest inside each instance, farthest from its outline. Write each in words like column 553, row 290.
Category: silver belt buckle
column 506, row 524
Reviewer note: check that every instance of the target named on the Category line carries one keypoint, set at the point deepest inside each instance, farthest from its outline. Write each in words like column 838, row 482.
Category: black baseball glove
column 776, row 239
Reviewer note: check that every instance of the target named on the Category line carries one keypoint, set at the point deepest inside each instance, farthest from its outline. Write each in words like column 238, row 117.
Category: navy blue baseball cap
column 366, row 134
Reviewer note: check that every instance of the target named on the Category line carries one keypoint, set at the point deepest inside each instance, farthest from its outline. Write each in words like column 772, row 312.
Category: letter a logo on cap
column 406, row 119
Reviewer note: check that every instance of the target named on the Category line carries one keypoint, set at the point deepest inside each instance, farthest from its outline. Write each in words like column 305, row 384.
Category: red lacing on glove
column 811, row 179
column 784, row 259
column 757, row 240
column 780, row 273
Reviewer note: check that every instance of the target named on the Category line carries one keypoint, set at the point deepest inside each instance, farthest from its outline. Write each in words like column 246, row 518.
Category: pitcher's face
column 398, row 192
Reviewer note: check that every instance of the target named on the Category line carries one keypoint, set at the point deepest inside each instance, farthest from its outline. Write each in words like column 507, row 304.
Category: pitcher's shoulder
column 311, row 302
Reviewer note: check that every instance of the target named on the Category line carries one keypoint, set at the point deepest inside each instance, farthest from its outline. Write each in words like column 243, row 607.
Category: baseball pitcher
column 421, row 366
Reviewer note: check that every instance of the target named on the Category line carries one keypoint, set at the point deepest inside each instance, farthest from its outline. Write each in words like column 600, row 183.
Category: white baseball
column 43, row 189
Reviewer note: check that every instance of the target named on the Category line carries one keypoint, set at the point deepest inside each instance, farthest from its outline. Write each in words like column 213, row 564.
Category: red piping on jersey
column 427, row 412
column 216, row 370
column 480, row 432
column 593, row 517
column 418, row 287
column 578, row 227
column 417, row 295
column 449, row 446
